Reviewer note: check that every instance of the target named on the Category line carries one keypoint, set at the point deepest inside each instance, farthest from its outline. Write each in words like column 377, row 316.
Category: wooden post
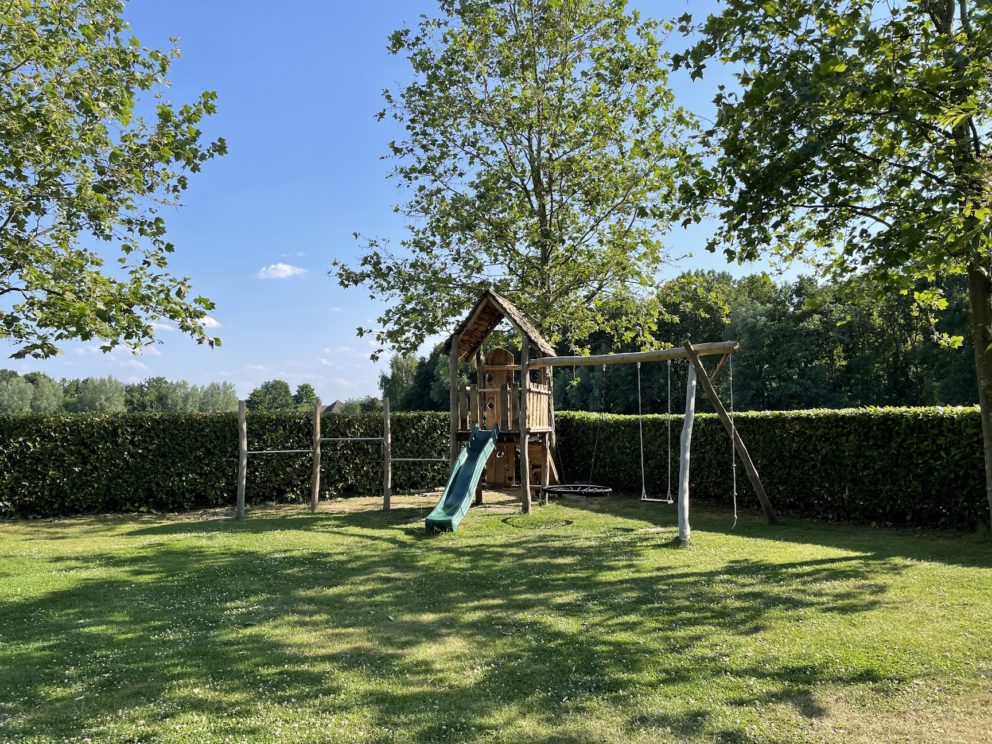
column 315, row 478
column 690, row 410
column 242, row 458
column 387, row 456
column 546, row 470
column 721, row 412
column 524, row 425
column 453, row 399
column 553, row 443
column 474, row 415
column 480, row 383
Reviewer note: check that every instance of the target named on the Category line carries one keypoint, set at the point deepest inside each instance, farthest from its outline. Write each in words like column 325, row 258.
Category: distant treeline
column 803, row 345
column 38, row 393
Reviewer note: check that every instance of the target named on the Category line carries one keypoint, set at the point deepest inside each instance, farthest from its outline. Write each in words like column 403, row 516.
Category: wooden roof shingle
column 489, row 312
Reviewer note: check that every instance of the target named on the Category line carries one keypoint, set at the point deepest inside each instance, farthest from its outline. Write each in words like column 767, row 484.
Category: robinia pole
column 315, row 477
column 242, row 458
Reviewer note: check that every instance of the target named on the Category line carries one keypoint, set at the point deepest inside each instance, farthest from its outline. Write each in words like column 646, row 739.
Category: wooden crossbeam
column 658, row 355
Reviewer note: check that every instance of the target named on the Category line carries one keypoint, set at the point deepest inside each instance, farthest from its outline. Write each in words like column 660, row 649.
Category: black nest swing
column 589, row 489
column 577, row 489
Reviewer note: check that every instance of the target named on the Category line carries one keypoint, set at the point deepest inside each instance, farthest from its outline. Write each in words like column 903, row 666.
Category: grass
column 579, row 623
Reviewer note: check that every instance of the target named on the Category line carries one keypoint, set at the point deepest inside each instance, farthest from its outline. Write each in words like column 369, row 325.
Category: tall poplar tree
column 541, row 150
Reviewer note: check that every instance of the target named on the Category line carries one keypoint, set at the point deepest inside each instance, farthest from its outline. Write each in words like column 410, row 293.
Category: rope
column 733, row 436
column 602, row 416
column 640, row 429
column 669, row 411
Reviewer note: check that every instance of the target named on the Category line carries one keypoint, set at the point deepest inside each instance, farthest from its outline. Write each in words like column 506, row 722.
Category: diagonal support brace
column 721, row 412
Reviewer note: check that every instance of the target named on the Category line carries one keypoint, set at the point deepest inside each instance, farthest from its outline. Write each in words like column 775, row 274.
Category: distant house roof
column 335, row 407
column 489, row 311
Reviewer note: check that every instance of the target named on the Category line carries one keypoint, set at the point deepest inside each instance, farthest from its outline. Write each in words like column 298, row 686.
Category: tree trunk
column 980, row 297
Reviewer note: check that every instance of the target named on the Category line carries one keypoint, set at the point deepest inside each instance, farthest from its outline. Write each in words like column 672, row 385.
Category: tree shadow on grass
column 952, row 548
column 442, row 639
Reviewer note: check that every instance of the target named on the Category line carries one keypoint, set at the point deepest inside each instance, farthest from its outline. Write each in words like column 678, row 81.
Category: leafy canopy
column 79, row 168
column 540, row 154
column 272, row 395
column 860, row 136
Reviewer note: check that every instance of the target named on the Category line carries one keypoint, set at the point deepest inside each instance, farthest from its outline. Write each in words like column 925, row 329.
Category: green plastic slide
column 464, row 478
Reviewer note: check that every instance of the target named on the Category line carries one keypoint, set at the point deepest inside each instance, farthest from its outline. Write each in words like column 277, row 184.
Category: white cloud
column 256, row 367
column 280, row 270
column 134, row 364
column 150, row 351
column 334, row 309
column 208, row 322
column 159, row 326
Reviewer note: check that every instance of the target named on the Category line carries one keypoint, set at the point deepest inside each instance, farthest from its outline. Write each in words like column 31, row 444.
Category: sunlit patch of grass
column 580, row 622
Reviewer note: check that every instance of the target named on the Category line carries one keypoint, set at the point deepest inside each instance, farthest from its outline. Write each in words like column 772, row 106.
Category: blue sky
column 298, row 86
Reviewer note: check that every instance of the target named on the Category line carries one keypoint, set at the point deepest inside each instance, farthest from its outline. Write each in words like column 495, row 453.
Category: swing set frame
column 535, row 409
column 697, row 372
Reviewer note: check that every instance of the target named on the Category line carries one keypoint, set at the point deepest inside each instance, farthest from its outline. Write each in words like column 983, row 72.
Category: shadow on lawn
column 579, row 616
column 953, row 548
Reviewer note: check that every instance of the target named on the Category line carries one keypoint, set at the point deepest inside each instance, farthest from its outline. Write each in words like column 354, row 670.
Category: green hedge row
column 910, row 466
column 904, row 466
column 89, row 463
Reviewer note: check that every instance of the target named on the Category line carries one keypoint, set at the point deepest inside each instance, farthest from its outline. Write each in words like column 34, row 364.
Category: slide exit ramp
column 464, row 478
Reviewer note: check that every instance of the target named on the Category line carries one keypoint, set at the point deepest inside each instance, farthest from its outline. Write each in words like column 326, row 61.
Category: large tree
column 97, row 394
column 540, row 150
column 218, row 397
column 398, row 383
column 271, row 395
column 80, row 168
column 859, row 136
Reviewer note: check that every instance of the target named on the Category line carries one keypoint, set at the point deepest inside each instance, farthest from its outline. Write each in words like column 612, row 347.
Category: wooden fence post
column 387, row 456
column 315, row 478
column 242, row 458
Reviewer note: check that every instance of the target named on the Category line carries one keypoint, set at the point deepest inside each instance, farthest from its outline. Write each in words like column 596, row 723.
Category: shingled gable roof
column 488, row 312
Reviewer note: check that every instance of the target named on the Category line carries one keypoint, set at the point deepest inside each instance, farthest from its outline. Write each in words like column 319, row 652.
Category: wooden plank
column 504, row 402
column 315, row 477
column 453, row 386
column 685, row 533
column 659, row 355
column 387, row 456
column 473, row 407
column 524, row 454
column 721, row 412
column 242, row 458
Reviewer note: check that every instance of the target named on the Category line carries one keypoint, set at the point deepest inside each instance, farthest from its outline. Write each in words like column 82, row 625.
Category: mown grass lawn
column 579, row 623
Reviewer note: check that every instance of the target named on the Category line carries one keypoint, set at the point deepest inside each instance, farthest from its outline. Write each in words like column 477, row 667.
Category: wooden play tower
column 517, row 395
column 522, row 405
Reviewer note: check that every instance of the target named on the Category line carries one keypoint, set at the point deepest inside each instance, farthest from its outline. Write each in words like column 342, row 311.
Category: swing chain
column 733, row 435
column 668, row 408
column 602, row 417
column 640, row 430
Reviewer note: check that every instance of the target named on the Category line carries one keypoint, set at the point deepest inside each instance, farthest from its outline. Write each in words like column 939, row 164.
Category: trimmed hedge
column 91, row 463
column 906, row 466
column 903, row 466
